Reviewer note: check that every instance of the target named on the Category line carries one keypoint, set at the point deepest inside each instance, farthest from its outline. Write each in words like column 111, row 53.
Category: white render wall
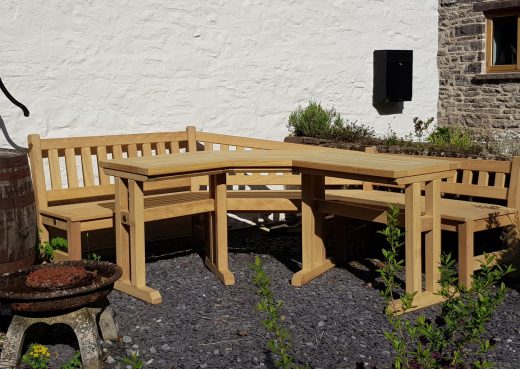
column 236, row 67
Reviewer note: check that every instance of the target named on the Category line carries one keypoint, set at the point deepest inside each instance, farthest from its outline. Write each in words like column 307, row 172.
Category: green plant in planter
column 454, row 138
column 456, row 339
column 313, row 121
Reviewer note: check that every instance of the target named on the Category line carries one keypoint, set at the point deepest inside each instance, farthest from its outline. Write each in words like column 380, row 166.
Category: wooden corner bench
column 73, row 194
column 484, row 194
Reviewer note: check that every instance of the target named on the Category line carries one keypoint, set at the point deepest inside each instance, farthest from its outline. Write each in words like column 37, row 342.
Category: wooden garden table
column 130, row 174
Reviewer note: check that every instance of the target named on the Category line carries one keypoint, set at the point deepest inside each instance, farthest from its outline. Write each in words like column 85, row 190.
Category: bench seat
column 451, row 209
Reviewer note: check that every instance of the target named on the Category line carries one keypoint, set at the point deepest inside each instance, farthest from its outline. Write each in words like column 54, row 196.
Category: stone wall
column 235, row 67
column 487, row 103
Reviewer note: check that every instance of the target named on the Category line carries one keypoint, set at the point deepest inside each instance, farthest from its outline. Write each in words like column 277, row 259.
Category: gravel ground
column 335, row 320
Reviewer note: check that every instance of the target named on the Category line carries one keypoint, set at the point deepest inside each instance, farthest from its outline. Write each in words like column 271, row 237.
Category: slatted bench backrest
column 215, row 142
column 66, row 169
column 485, row 179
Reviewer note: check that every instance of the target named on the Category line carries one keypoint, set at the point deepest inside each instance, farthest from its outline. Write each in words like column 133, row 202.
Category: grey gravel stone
column 110, row 360
column 127, row 339
column 152, row 350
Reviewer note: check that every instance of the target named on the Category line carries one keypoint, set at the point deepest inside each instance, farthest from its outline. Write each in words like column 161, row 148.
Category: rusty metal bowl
column 15, row 295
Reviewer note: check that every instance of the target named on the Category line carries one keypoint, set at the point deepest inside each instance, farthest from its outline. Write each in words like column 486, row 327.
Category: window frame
column 490, row 16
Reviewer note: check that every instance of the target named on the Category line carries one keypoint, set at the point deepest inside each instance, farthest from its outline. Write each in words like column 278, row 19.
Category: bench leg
column 217, row 245
column 314, row 261
column 433, row 237
column 74, row 241
column 466, row 245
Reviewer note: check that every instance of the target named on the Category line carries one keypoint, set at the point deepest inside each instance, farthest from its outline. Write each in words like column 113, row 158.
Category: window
column 503, row 41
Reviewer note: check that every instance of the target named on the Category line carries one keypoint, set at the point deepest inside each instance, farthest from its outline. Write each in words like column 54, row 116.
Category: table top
column 340, row 161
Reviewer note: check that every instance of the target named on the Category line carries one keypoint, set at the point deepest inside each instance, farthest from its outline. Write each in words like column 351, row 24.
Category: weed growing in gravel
column 280, row 343
column 134, row 361
column 457, row 337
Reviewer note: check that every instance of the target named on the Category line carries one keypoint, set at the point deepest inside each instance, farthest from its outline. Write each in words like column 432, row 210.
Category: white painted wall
column 237, row 67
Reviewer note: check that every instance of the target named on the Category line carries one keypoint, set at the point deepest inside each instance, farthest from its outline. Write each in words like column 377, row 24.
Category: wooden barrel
column 18, row 229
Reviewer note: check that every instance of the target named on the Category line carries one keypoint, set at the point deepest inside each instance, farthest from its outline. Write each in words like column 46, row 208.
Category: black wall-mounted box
column 393, row 71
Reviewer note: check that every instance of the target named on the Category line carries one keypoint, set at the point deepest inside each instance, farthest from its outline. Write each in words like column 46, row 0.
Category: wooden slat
column 86, row 164
column 174, row 147
column 147, row 149
column 161, row 148
column 483, row 178
column 117, row 152
column 467, row 176
column 54, row 169
column 139, row 138
column 132, row 150
column 474, row 190
column 500, row 180
column 80, row 193
column 72, row 168
column 101, row 154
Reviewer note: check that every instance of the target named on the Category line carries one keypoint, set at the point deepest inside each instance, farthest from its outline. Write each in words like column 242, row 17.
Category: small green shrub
column 350, row 131
column 454, row 138
column 47, row 248
column 457, row 336
column 315, row 121
column 280, row 341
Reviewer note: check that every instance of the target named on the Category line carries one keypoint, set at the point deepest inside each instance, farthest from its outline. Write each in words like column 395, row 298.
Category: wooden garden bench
column 73, row 194
column 485, row 194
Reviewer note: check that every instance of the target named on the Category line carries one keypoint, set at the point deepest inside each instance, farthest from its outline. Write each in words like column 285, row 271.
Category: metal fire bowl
column 15, row 295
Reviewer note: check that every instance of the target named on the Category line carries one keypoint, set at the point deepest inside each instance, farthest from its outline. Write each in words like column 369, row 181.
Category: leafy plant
column 421, row 127
column 93, row 256
column 134, row 361
column 46, row 249
column 457, row 337
column 74, row 362
column 453, row 138
column 280, row 341
column 350, row 131
column 37, row 356
column 315, row 121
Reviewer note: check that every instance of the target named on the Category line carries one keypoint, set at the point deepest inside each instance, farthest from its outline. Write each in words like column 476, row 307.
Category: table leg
column 217, row 245
column 314, row 261
column 131, row 242
column 413, row 247
column 413, row 237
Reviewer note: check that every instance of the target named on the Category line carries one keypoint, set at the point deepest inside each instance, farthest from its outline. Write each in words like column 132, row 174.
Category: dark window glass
column 504, row 40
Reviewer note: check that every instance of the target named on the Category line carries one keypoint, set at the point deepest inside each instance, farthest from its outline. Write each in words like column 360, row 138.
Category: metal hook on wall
column 2, row 124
